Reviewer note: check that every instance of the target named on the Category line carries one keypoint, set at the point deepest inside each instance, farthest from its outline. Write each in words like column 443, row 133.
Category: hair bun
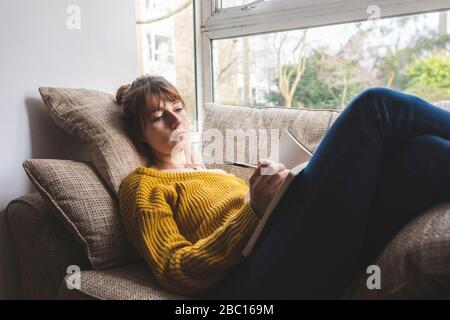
column 121, row 92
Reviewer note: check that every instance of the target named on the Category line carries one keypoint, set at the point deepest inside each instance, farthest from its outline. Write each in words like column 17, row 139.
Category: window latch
column 248, row 7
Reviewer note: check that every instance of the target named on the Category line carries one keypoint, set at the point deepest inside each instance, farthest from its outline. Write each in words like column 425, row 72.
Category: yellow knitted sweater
column 190, row 227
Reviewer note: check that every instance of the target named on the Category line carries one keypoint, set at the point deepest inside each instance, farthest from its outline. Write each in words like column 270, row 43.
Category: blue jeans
column 383, row 162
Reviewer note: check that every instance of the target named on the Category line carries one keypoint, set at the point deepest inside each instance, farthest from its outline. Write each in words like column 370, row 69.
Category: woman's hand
column 264, row 183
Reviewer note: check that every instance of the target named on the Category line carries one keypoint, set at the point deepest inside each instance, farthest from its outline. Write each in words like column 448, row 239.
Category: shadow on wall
column 9, row 269
column 48, row 141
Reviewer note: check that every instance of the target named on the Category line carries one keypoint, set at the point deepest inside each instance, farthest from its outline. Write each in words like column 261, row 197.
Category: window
column 163, row 49
column 160, row 50
column 150, row 47
column 324, row 67
column 252, row 51
column 165, row 33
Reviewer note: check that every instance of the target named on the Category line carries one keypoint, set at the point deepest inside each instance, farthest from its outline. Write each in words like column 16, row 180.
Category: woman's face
column 166, row 127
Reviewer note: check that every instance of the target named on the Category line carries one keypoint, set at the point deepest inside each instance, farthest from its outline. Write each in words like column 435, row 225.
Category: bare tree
column 442, row 29
column 289, row 76
column 341, row 71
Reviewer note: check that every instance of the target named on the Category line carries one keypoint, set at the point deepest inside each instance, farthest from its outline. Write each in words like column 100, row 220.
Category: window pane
column 166, row 45
column 325, row 67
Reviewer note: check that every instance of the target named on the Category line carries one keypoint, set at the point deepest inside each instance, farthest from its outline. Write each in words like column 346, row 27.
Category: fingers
column 268, row 173
column 268, row 167
column 268, row 185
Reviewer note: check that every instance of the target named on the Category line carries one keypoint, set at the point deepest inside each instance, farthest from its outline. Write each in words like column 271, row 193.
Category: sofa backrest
column 244, row 134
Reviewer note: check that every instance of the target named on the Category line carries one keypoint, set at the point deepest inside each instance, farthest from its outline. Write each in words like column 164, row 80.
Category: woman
column 384, row 161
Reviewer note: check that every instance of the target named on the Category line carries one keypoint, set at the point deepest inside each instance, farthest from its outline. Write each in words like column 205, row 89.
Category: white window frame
column 213, row 23
column 280, row 15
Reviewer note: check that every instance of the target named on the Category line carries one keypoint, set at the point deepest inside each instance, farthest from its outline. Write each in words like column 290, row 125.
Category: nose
column 175, row 120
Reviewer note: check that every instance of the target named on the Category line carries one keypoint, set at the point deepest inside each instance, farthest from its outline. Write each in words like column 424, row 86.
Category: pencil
column 241, row 164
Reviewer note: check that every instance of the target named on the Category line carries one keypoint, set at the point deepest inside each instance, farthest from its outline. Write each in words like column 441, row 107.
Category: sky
column 336, row 36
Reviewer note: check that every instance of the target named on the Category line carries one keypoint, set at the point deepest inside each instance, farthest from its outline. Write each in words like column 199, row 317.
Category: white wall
column 38, row 49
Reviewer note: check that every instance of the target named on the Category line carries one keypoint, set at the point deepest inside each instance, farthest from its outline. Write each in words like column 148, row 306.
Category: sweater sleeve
column 185, row 267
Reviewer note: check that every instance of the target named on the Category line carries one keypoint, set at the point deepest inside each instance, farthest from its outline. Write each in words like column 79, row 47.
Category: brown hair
column 145, row 93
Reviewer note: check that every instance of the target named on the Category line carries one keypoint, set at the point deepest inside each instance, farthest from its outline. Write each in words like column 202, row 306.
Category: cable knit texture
column 190, row 227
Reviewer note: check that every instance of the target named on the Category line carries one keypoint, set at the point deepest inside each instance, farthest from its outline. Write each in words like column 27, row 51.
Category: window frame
column 281, row 15
column 213, row 23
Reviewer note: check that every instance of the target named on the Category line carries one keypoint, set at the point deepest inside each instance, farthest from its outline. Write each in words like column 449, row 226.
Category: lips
column 178, row 133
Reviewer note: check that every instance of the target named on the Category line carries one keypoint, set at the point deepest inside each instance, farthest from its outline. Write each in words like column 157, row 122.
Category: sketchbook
column 295, row 156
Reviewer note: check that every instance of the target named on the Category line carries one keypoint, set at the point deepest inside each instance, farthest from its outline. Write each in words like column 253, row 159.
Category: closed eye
column 162, row 116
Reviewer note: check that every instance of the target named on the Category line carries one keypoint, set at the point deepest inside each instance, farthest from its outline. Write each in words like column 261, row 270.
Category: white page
column 291, row 151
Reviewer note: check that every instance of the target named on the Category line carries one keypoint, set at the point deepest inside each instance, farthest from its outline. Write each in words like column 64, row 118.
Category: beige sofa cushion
column 130, row 282
column 95, row 118
column 86, row 206
column 416, row 264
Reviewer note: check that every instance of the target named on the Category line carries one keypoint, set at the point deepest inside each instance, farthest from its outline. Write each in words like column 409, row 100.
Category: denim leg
column 387, row 117
column 311, row 245
column 413, row 178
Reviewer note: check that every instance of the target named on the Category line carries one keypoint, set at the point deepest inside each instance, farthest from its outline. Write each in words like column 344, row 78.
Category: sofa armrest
column 44, row 248
column 416, row 263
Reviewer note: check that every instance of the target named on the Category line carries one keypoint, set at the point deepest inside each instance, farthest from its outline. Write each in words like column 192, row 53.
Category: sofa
column 68, row 233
